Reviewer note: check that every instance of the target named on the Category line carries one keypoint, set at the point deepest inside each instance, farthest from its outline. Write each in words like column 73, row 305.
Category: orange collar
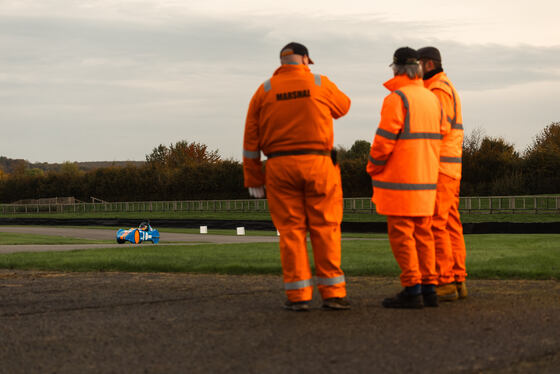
column 399, row 81
column 292, row 68
column 436, row 77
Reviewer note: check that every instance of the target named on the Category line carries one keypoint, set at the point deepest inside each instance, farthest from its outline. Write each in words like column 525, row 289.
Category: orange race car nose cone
column 137, row 237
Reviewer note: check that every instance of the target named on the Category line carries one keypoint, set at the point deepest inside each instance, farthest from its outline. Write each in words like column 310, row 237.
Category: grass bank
column 7, row 238
column 489, row 257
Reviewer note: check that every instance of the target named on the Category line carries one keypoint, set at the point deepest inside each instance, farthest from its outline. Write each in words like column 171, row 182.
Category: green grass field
column 7, row 238
column 489, row 257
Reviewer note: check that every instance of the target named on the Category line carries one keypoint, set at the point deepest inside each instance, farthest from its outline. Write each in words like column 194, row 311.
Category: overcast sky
column 111, row 79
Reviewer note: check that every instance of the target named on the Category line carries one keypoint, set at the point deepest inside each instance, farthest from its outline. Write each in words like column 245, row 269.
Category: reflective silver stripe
column 421, row 135
column 407, row 115
column 453, row 121
column 403, row 186
column 317, row 79
column 267, row 85
column 457, row 126
column 251, row 154
column 456, row 160
column 298, row 285
column 376, row 162
column 331, row 281
column 406, row 134
column 386, row 134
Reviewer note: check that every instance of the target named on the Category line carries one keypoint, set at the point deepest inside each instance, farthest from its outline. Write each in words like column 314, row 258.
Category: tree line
column 190, row 171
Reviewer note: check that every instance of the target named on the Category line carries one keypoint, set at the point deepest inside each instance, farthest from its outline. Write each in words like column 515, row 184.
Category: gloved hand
column 257, row 192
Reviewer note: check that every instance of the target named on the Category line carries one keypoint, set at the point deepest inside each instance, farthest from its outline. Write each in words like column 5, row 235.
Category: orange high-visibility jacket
column 404, row 156
column 293, row 110
column 452, row 143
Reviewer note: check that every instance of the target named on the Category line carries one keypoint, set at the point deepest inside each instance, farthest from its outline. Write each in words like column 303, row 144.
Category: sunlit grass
column 7, row 238
column 489, row 256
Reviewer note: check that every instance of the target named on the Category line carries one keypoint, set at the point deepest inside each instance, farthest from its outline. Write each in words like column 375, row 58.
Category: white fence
column 483, row 205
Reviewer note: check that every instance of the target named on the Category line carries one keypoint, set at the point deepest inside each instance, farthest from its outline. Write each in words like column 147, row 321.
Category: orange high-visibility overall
column 290, row 119
column 403, row 164
column 446, row 225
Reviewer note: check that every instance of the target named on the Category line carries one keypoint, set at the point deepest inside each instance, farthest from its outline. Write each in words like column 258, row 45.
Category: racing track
column 106, row 234
column 187, row 323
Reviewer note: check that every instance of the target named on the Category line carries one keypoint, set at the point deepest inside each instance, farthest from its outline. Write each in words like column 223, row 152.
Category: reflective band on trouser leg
column 331, row 281
column 251, row 154
column 298, row 285
column 332, row 287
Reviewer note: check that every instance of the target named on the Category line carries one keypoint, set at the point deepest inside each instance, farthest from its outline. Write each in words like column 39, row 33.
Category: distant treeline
column 183, row 171
column 10, row 165
column 189, row 171
column 491, row 166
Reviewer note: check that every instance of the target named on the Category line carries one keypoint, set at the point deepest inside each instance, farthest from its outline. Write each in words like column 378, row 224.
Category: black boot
column 404, row 300
column 429, row 295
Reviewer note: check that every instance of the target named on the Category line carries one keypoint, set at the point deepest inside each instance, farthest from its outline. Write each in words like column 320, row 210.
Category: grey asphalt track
column 167, row 238
column 54, row 322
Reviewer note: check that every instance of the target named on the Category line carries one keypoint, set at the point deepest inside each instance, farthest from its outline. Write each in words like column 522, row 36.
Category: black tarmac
column 184, row 323
column 54, row 322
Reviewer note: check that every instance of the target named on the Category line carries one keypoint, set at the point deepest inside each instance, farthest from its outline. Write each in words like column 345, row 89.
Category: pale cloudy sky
column 111, row 79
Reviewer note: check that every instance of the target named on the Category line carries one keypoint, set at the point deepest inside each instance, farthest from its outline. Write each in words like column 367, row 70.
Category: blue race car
column 143, row 233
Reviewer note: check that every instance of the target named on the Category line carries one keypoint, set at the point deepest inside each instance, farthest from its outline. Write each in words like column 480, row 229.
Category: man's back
column 294, row 110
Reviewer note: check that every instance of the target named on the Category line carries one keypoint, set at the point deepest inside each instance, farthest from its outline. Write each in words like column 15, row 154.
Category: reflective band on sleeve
column 298, row 285
column 317, row 79
column 403, row 186
column 406, row 107
column 457, row 126
column 267, row 85
column 456, row 160
column 251, row 154
column 421, row 135
column 376, row 162
column 386, row 134
column 331, row 281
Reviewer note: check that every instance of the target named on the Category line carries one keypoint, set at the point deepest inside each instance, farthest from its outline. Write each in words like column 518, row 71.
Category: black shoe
column 430, row 299
column 404, row 300
column 298, row 306
column 336, row 303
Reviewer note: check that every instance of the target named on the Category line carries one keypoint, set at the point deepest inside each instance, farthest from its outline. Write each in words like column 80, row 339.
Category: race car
column 144, row 232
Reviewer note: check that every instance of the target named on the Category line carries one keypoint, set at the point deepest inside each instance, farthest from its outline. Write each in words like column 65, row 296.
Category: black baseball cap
column 405, row 56
column 294, row 48
column 429, row 53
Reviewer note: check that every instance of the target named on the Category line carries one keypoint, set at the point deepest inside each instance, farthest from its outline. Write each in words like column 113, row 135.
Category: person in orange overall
column 290, row 120
column 403, row 164
column 446, row 225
